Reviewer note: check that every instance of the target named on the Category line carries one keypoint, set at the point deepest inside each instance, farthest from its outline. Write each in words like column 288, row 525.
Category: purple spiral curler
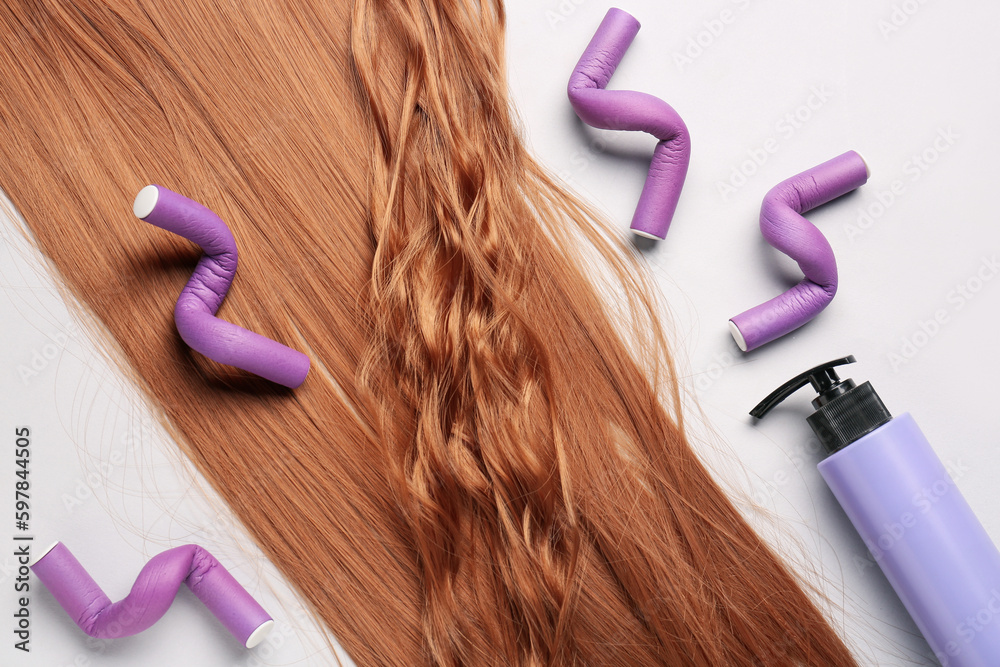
column 631, row 110
column 783, row 226
column 200, row 299
column 153, row 591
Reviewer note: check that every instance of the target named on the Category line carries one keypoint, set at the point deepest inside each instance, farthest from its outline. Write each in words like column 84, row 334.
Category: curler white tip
column 145, row 201
column 646, row 235
column 737, row 336
column 43, row 554
column 868, row 172
column 258, row 635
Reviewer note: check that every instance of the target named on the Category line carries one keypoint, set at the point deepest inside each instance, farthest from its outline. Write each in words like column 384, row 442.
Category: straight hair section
column 487, row 464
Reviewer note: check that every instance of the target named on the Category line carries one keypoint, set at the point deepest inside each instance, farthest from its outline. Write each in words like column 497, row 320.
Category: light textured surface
column 767, row 90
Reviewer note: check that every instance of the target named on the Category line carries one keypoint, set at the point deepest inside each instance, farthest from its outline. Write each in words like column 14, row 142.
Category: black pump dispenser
column 844, row 411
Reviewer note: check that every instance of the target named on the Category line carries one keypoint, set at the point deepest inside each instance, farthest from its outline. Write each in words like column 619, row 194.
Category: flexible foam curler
column 783, row 226
column 631, row 110
column 152, row 593
column 200, row 299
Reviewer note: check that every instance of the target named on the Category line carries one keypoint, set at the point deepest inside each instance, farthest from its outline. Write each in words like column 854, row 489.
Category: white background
column 910, row 85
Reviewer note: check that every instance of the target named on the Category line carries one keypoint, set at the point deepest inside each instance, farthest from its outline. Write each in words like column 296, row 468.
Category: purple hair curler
column 783, row 226
column 631, row 110
column 153, row 591
column 200, row 299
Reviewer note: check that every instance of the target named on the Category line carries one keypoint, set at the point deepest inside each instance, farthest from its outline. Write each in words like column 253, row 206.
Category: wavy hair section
column 487, row 465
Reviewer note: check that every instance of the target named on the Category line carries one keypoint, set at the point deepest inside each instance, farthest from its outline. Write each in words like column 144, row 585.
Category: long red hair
column 486, row 465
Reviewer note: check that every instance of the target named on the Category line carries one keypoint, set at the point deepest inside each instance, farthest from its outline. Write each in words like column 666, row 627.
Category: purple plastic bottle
column 912, row 517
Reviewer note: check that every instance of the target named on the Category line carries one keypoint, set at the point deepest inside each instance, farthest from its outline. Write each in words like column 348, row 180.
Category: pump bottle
column 910, row 514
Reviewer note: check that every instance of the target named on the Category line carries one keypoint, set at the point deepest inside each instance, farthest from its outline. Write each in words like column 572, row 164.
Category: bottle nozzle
column 844, row 411
column 824, row 380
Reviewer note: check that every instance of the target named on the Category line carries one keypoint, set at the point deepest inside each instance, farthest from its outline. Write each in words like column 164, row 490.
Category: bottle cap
column 844, row 411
